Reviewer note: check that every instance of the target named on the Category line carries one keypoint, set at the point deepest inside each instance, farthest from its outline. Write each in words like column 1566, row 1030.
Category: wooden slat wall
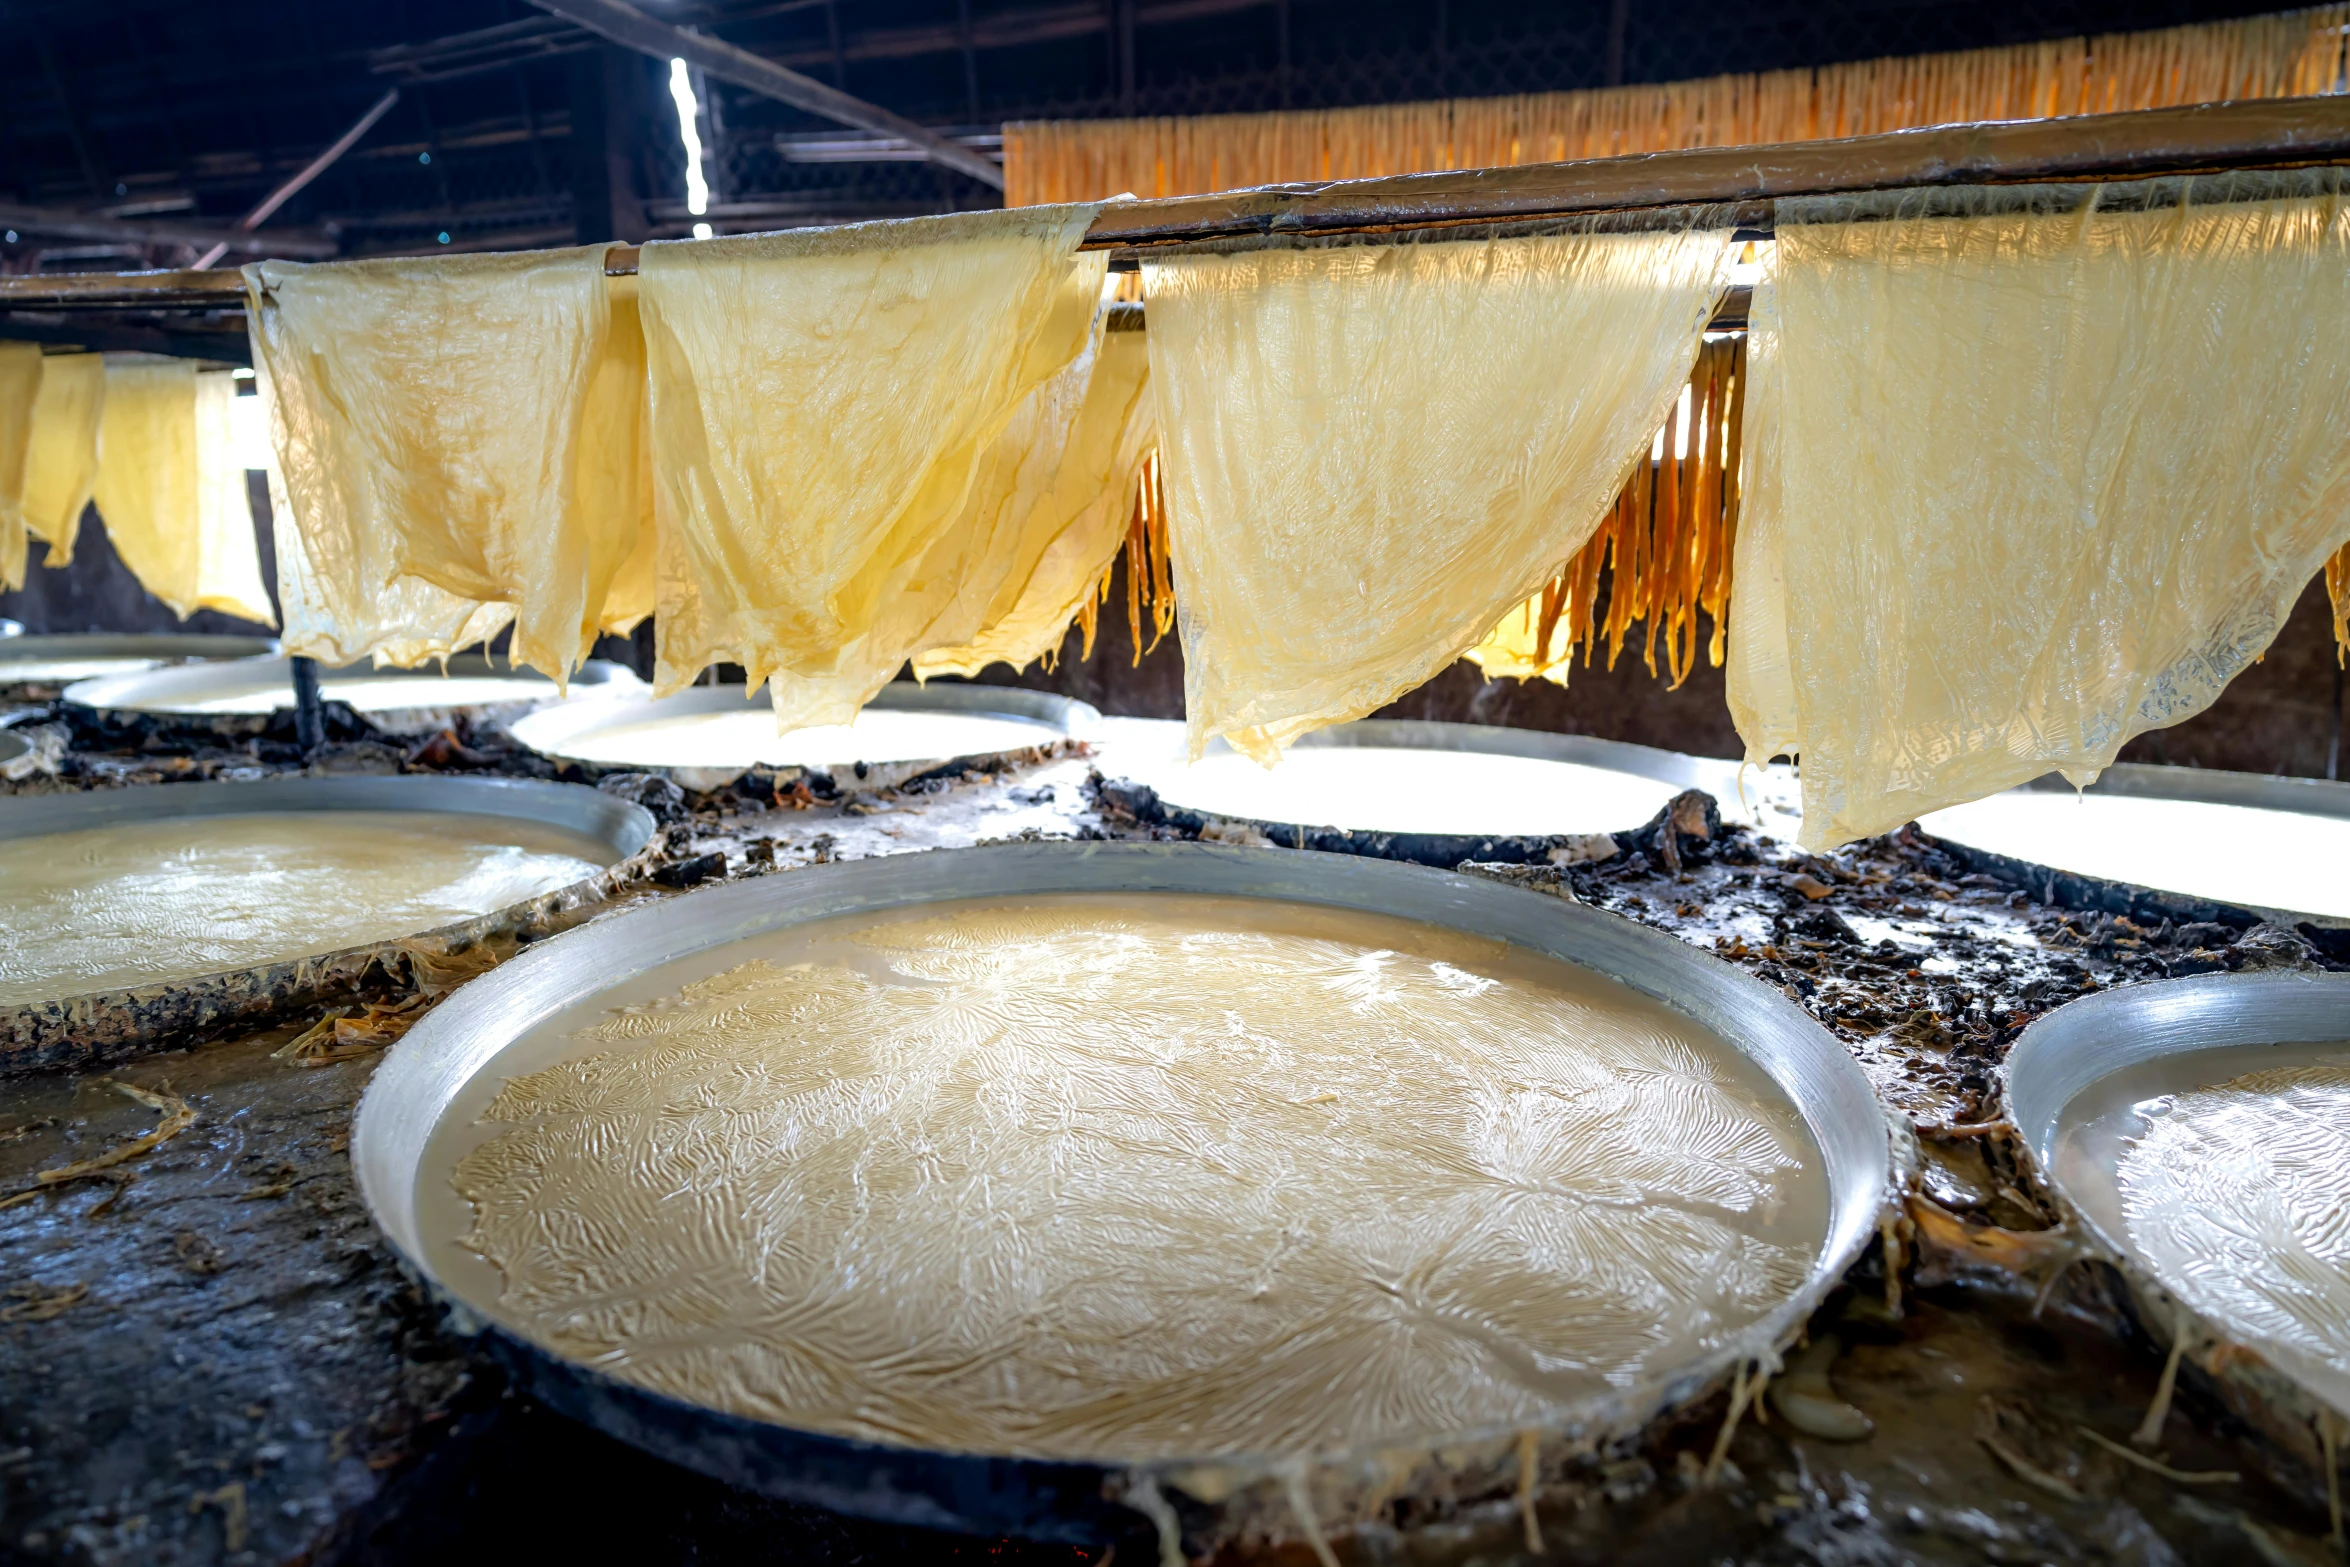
column 2291, row 54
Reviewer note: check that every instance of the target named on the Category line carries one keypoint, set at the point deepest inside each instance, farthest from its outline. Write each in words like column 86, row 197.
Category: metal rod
column 309, row 710
column 2334, row 746
column 96, row 226
column 626, row 25
column 2264, row 133
column 310, row 171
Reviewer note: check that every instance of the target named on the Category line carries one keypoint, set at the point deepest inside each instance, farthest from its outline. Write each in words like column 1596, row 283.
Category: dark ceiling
column 130, row 130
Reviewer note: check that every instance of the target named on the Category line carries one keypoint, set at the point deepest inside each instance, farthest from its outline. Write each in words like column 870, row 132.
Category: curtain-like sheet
column 405, row 623
column 1073, row 456
column 409, row 623
column 432, row 421
column 146, row 489
column 1008, row 514
column 616, row 462
column 2052, row 465
column 1371, row 452
column 170, row 492
column 61, row 460
column 1760, row 680
column 20, row 384
column 821, row 403
column 228, row 550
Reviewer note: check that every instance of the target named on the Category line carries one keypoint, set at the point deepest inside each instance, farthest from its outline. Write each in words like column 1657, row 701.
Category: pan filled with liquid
column 2205, row 843
column 1430, row 792
column 126, row 914
column 2199, row 1130
column 708, row 736
column 39, row 667
column 1074, row 1190
column 240, row 698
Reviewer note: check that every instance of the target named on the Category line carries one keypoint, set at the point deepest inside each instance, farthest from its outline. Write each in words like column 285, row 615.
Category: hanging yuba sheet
column 61, row 452
column 1372, row 451
column 1077, row 452
column 2033, row 470
column 831, row 494
column 171, row 488
column 20, row 384
column 459, row 439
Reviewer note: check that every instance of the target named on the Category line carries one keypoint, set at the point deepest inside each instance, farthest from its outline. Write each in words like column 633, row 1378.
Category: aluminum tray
column 2059, row 1059
column 240, row 698
column 105, row 653
column 1077, row 1501
column 1153, row 754
column 568, row 732
column 104, row 1025
column 2316, row 797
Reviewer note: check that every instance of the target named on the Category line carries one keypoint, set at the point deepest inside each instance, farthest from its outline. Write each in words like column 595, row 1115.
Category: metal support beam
column 309, row 711
column 970, row 57
column 604, row 91
column 75, row 131
column 58, row 224
column 626, row 25
column 308, row 172
column 1125, row 44
column 1281, row 48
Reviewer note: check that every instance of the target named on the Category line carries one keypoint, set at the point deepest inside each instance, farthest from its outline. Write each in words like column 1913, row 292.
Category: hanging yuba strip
column 1666, row 546
column 1150, row 576
column 2338, row 590
column 1662, row 544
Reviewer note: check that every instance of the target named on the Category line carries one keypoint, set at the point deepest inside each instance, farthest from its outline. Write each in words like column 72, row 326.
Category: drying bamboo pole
column 2262, row 133
column 1667, row 547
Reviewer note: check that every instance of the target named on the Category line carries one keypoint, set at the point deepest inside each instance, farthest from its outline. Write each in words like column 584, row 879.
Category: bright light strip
column 689, row 131
column 248, row 432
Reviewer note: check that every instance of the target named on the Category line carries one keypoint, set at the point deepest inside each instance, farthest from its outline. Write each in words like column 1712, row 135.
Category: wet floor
column 206, row 1355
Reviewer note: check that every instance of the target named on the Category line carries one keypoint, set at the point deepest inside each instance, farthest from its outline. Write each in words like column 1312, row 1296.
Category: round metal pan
column 570, row 733
column 2069, row 1067
column 1075, row 1501
column 70, row 1030
column 41, row 666
column 1152, row 754
column 240, row 698
column 2167, row 890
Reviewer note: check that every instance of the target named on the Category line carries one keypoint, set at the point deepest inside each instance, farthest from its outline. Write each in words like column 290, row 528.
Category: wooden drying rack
column 1721, row 185
column 1735, row 185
